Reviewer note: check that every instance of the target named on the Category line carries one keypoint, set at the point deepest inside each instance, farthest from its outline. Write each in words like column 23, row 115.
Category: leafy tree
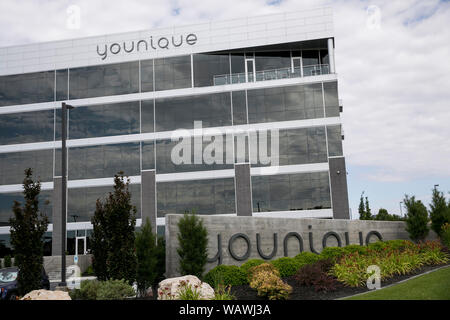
column 416, row 218
column 115, row 220
column 193, row 241
column 439, row 211
column 28, row 226
column 368, row 211
column 147, row 259
column 364, row 209
column 383, row 215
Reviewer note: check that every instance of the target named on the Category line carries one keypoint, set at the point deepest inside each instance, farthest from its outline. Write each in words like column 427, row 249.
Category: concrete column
column 331, row 55
column 243, row 189
column 339, row 193
column 56, row 216
column 148, row 194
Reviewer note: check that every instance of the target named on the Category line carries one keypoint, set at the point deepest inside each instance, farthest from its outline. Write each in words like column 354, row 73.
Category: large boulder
column 169, row 288
column 46, row 295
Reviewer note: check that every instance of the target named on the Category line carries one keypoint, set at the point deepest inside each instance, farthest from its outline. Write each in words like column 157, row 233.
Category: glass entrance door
column 80, row 245
column 250, row 70
column 297, row 66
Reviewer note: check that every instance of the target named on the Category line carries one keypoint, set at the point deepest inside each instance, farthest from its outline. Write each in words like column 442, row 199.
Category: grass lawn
column 432, row 286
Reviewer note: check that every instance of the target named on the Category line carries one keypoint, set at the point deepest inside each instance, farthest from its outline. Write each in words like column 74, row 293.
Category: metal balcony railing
column 273, row 74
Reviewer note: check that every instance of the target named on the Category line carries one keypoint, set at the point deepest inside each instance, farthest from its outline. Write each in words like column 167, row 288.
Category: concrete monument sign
column 234, row 239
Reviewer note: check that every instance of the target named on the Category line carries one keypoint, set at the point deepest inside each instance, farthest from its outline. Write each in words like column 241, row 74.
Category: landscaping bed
column 244, row 292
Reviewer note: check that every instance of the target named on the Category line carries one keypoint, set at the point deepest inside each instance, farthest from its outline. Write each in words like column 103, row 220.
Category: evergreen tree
column 116, row 220
column 416, row 218
column 439, row 211
column 28, row 226
column 361, row 208
column 367, row 210
column 99, row 243
column 193, row 241
column 147, row 259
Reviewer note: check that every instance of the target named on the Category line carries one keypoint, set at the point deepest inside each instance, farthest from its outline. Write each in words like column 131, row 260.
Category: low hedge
column 286, row 266
column 226, row 275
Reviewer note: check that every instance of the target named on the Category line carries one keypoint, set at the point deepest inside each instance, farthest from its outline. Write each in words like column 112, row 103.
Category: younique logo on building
column 143, row 45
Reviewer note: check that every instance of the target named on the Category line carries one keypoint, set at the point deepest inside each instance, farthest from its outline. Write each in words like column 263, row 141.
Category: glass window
column 146, row 75
column 296, row 146
column 324, row 59
column 214, row 196
column 206, row 66
column 237, row 68
column 148, row 155
column 299, row 191
column 310, row 57
column 104, row 80
column 48, row 244
column 27, row 88
column 334, row 141
column 104, row 120
column 239, row 107
column 13, row 165
column 26, row 127
column 272, row 60
column 147, row 116
column 285, row 103
column 331, row 99
column 5, row 245
column 208, row 159
column 81, row 201
column 104, row 161
column 62, row 86
column 7, row 202
column 214, row 110
column 173, row 73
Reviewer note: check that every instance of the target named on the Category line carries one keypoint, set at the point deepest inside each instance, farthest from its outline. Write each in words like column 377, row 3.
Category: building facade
column 132, row 91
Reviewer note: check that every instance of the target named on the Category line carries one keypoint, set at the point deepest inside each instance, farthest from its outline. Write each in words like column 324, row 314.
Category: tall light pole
column 65, row 107
column 401, row 213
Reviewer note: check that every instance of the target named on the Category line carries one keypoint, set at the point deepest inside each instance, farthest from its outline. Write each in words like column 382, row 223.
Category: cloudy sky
column 392, row 59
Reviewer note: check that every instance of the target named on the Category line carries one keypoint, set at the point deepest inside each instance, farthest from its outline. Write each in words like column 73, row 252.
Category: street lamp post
column 65, row 107
column 401, row 213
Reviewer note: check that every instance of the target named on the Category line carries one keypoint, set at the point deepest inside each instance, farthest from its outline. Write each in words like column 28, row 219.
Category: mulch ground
column 244, row 292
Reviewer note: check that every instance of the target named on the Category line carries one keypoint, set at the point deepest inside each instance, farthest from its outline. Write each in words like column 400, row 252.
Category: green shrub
column 306, row 258
column 226, row 275
column 266, row 280
column 262, row 267
column 89, row 271
column 332, row 253
column 251, row 263
column 115, row 290
column 223, row 293
column 88, row 290
column 286, row 266
column 7, row 261
column 416, row 219
column 192, row 239
column 445, row 235
column 146, row 256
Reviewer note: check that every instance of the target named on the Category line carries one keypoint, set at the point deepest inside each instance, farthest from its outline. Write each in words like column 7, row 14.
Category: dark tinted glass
column 296, row 146
column 7, row 202
column 27, row 88
column 104, row 120
column 62, row 86
column 215, row 196
column 104, row 80
column 173, row 73
column 5, row 245
column 285, row 103
column 239, row 107
column 26, row 127
column 334, row 141
column 310, row 57
column 272, row 60
column 104, row 161
column 237, row 63
column 331, row 99
column 147, row 75
column 324, row 59
column 147, row 116
column 148, row 155
column 301, row 191
column 81, row 201
column 206, row 66
column 13, row 165
column 211, row 156
column 213, row 110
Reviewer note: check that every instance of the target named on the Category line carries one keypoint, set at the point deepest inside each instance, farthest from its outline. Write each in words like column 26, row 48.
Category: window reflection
column 26, row 127
column 300, row 191
column 215, row 196
column 27, row 88
column 104, row 161
column 173, row 73
column 331, row 99
column 334, row 141
column 206, row 66
column 13, row 165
